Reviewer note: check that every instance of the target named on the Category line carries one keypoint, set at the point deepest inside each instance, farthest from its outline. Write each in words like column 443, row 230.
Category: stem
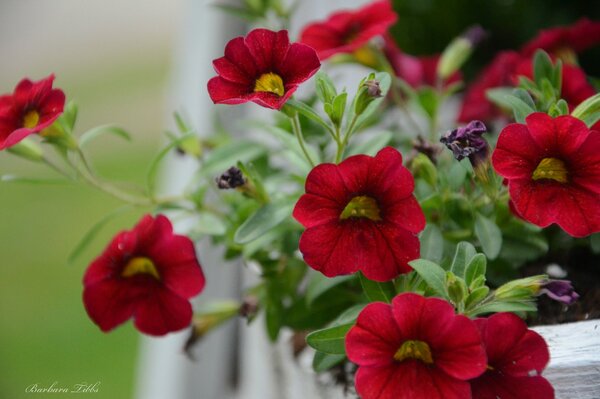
column 342, row 145
column 57, row 168
column 298, row 133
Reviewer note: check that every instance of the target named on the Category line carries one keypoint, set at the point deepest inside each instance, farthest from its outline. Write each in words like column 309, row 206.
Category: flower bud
column 560, row 290
column 458, row 51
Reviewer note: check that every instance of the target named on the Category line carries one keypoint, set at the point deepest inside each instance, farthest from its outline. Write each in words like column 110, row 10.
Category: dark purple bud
column 249, row 308
column 232, row 178
column 560, row 290
column 373, row 88
column 475, row 35
column 466, row 142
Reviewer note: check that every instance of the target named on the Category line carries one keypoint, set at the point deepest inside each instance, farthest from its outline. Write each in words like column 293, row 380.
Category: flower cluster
column 418, row 347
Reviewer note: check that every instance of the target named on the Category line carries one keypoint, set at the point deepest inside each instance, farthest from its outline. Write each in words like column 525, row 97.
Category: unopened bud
column 373, row 88
column 458, row 51
column 27, row 149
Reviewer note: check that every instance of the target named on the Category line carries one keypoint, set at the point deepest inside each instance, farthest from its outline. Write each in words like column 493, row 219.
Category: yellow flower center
column 552, row 169
column 366, row 56
column 140, row 265
column 361, row 207
column 417, row 350
column 270, row 83
column 31, row 119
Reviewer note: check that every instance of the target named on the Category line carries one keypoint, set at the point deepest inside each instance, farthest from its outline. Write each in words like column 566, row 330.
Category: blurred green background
column 112, row 58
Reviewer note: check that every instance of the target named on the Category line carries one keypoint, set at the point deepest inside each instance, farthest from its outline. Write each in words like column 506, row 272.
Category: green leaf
column 349, row 315
column 208, row 224
column 456, row 175
column 93, row 133
column 524, row 96
column 324, row 361
column 465, row 251
column 325, row 88
column 588, row 111
column 424, row 168
column 432, row 243
column 338, row 108
column 494, row 307
column 489, row 236
column 308, row 112
column 429, row 101
column 153, row 169
column 329, row 340
column 225, row 156
column 273, row 319
column 263, row 220
column 385, row 82
column 542, row 67
column 507, row 99
column 475, row 268
column 31, row 180
column 318, row 284
column 476, row 296
column 70, row 116
column 93, row 232
column 433, row 274
column 372, row 145
column 376, row 291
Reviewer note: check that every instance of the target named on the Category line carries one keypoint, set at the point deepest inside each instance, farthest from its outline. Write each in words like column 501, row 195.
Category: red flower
column 498, row 73
column 553, row 172
column 346, row 31
column 263, row 68
column 415, row 348
column 516, row 358
column 577, row 37
column 147, row 273
column 33, row 106
column 416, row 71
column 360, row 215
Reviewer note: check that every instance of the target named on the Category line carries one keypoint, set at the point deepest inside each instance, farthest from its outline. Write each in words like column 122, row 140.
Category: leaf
column 96, row 132
column 319, row 284
column 372, row 145
column 225, row 156
column 432, row 243
column 324, row 361
column 31, row 180
column 338, row 108
column 308, row 112
column 595, row 243
column 93, row 232
column 376, row 291
column 433, row 274
column 475, row 268
column 429, row 101
column 476, row 296
column 507, row 99
column 489, row 236
column 273, row 319
column 456, row 175
column 588, row 111
column 542, row 66
column 325, row 88
column 494, row 307
column 349, row 315
column 153, row 169
column 263, row 220
column 465, row 251
column 208, row 224
column 329, row 340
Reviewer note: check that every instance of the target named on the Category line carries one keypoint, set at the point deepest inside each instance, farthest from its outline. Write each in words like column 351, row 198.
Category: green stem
column 298, row 133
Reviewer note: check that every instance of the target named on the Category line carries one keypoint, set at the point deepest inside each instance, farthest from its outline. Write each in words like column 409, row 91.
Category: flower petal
column 161, row 312
column 312, row 210
column 516, row 154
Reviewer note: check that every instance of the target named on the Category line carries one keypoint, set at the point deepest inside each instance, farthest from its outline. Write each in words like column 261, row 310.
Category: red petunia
column 498, row 73
column 147, row 273
column 360, row 215
column 415, row 348
column 516, row 358
column 33, row 106
column 553, row 172
column 578, row 37
column 416, row 71
column 346, row 31
column 262, row 67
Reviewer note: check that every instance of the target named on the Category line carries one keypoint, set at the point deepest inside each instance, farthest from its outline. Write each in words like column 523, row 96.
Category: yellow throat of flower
column 270, row 83
column 417, row 350
column 361, row 207
column 31, row 119
column 551, row 169
column 140, row 265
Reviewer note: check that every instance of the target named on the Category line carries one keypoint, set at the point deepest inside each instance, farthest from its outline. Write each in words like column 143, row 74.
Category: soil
column 583, row 270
